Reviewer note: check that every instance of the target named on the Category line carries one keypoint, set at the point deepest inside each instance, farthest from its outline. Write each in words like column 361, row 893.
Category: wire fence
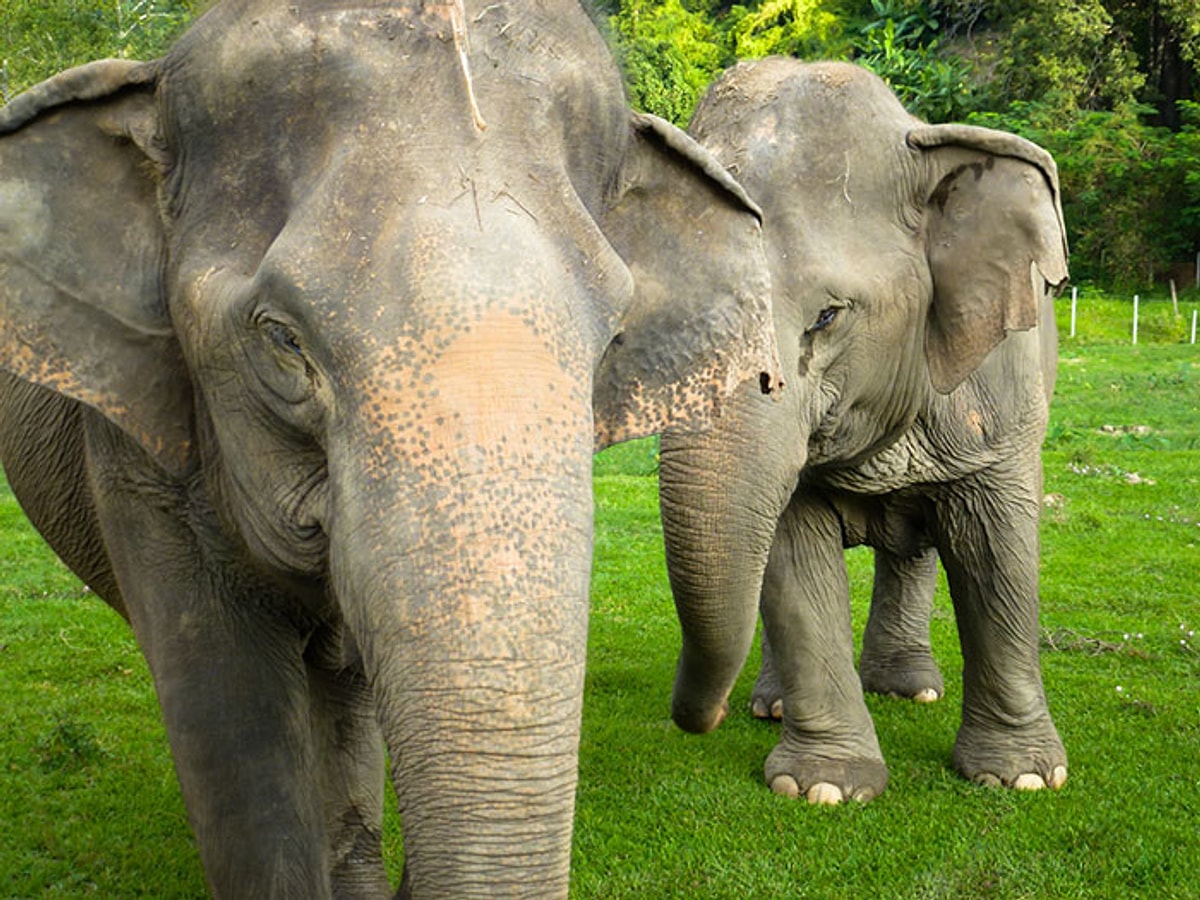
column 1176, row 326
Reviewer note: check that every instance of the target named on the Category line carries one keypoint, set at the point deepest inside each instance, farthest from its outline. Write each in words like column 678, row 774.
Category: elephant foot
column 1023, row 759
column 766, row 699
column 912, row 676
column 698, row 719
column 825, row 781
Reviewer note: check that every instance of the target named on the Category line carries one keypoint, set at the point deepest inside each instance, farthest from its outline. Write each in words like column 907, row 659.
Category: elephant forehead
column 785, row 122
column 332, row 63
column 268, row 94
column 265, row 110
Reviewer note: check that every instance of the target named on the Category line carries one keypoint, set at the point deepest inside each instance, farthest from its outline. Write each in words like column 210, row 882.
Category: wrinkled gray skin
column 910, row 265
column 310, row 330
column 897, row 656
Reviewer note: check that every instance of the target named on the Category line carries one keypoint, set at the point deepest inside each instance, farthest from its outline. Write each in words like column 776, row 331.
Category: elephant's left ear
column 700, row 321
column 996, row 243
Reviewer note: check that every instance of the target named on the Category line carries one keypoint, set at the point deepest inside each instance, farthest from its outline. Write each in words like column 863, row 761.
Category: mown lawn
column 89, row 804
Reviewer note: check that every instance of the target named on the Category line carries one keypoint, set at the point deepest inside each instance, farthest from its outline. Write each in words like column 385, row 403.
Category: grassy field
column 89, row 804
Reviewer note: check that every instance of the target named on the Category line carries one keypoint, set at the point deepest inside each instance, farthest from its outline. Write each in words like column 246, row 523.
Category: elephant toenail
column 786, row 786
column 824, row 794
column 1029, row 781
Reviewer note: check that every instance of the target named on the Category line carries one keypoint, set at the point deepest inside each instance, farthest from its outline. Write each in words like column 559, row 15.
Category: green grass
column 89, row 805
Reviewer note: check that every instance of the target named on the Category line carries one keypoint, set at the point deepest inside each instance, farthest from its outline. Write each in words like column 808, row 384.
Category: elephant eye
column 825, row 318
column 280, row 361
column 282, row 336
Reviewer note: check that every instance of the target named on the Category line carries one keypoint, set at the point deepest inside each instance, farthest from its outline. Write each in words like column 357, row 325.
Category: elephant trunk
column 721, row 494
column 460, row 555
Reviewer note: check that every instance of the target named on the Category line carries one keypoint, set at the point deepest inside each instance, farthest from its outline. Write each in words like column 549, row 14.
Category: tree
column 901, row 44
column 672, row 49
column 1067, row 53
column 669, row 54
column 960, row 19
column 803, row 28
column 1165, row 35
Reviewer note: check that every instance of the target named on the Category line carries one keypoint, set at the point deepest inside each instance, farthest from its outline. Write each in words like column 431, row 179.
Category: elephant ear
column 995, row 240
column 700, row 320
column 82, row 251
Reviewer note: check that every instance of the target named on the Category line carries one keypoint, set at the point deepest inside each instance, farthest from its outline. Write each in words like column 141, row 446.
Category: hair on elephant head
column 322, row 336
column 914, row 268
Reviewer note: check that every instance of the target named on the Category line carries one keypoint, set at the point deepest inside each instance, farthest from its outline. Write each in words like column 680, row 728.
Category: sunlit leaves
column 803, row 28
column 41, row 37
column 669, row 53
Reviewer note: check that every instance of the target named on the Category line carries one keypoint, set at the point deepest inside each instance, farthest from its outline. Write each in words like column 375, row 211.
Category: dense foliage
column 1107, row 85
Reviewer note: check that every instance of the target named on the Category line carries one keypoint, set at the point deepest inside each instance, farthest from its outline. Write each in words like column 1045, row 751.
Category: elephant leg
column 353, row 768
column 766, row 698
column 828, row 750
column 988, row 540
column 897, row 658
column 225, row 651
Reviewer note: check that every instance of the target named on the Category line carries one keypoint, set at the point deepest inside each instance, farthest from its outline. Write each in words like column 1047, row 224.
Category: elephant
column 308, row 332
column 914, row 268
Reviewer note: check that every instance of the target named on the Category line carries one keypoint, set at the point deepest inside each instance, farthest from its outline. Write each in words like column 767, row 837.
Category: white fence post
column 1194, row 326
column 1135, row 317
column 1074, row 301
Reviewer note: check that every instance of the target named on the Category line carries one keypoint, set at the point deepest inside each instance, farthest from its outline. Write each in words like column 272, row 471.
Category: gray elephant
column 308, row 331
column 911, row 265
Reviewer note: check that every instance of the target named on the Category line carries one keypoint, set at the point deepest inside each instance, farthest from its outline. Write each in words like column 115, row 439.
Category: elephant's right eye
column 282, row 364
column 279, row 334
column 825, row 318
column 282, row 337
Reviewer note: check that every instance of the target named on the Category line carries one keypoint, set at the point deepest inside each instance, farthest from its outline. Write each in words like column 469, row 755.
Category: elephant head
column 902, row 254
column 335, row 302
